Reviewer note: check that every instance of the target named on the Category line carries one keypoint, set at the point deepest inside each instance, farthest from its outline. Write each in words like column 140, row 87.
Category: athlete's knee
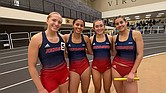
column 84, row 91
column 97, row 90
column 107, row 90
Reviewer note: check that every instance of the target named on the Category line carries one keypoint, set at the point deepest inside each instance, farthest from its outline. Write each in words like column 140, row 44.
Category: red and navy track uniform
column 126, row 54
column 101, row 50
column 78, row 61
column 54, row 70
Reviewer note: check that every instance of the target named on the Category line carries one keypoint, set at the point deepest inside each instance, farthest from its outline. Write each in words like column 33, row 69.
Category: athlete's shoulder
column 136, row 33
column 109, row 36
column 37, row 36
column 36, row 40
column 86, row 38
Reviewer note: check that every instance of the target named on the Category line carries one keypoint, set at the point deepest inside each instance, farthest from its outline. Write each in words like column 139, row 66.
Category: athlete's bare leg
column 85, row 80
column 107, row 80
column 97, row 77
column 118, row 84
column 63, row 88
column 55, row 91
column 74, row 82
column 130, row 87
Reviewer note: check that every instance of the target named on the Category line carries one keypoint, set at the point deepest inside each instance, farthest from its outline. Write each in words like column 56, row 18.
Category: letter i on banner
column 62, row 46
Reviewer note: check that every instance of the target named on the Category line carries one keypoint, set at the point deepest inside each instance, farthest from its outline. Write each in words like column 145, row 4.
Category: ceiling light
column 160, row 13
column 148, row 15
column 136, row 16
column 127, row 17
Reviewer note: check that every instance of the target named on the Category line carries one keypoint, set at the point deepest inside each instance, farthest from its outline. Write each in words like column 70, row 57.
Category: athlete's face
column 120, row 24
column 99, row 27
column 54, row 22
column 78, row 26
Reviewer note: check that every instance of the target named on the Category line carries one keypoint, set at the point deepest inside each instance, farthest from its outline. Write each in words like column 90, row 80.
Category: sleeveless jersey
column 51, row 55
column 76, row 51
column 101, row 50
column 126, row 50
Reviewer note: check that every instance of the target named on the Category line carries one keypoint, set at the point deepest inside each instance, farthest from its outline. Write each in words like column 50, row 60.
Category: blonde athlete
column 49, row 47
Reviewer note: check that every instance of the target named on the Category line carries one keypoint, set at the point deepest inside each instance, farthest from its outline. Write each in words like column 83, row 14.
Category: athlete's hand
column 130, row 77
column 43, row 91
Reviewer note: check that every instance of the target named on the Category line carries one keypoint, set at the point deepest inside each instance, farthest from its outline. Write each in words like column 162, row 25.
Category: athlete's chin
column 121, row 30
column 99, row 33
column 55, row 29
column 78, row 32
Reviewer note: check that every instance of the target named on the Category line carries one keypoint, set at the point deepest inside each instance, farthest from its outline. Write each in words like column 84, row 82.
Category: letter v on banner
column 110, row 3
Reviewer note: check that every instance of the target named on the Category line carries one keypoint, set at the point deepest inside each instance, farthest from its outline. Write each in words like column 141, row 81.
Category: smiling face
column 120, row 24
column 78, row 26
column 99, row 27
column 54, row 21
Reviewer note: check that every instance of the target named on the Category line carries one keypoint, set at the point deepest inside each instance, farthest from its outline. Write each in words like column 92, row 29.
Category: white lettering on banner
column 117, row 2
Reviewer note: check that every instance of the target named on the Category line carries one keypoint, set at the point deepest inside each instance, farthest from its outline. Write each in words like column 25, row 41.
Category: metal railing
column 151, row 29
column 18, row 36
column 33, row 33
column 5, row 39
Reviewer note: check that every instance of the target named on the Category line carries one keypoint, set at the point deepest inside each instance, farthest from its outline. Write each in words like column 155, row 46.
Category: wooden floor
column 152, row 74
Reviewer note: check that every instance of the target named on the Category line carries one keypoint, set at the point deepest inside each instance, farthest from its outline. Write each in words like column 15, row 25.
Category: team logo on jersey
column 95, row 67
column 94, row 44
column 130, row 42
column 47, row 45
column 114, row 66
column 83, row 44
column 62, row 46
column 67, row 78
column 107, row 42
column 69, row 45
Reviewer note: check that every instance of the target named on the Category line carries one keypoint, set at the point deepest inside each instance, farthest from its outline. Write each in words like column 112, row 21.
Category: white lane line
column 154, row 55
column 154, row 47
column 16, row 84
column 13, row 62
column 13, row 51
column 13, row 56
column 154, row 39
column 15, row 70
column 154, row 43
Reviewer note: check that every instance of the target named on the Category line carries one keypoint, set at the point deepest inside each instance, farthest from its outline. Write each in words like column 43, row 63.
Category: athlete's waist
column 121, row 59
column 55, row 68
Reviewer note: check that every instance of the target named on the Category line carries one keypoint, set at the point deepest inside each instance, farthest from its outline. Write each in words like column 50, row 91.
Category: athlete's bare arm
column 113, row 45
column 110, row 39
column 140, row 48
column 88, row 43
column 65, row 38
column 33, row 50
column 91, row 39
